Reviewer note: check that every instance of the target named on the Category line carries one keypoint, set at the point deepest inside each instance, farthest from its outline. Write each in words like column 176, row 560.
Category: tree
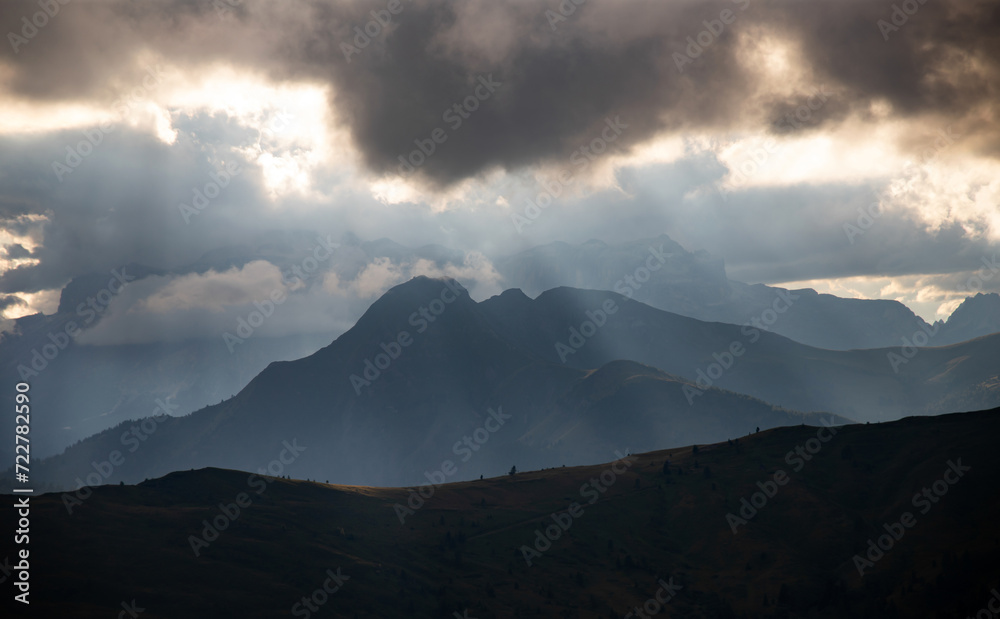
column 513, row 471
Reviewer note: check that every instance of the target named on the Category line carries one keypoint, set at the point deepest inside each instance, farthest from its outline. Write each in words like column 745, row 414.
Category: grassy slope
column 461, row 549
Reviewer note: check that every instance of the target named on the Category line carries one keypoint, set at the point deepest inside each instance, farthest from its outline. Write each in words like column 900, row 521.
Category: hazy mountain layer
column 426, row 368
column 661, row 273
column 425, row 377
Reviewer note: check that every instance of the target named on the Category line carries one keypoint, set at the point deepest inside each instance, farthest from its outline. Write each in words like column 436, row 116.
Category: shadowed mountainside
column 695, row 284
column 456, row 376
column 463, row 549
column 462, row 367
column 864, row 385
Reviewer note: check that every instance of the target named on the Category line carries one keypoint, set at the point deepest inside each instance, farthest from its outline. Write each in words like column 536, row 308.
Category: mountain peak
column 423, row 283
column 420, row 293
column 975, row 316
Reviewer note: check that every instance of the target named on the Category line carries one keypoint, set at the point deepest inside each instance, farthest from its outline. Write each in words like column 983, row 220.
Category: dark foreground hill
column 465, row 550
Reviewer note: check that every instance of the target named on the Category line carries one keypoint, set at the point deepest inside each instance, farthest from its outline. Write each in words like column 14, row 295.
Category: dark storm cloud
column 15, row 250
column 558, row 85
column 944, row 57
column 560, row 81
column 11, row 300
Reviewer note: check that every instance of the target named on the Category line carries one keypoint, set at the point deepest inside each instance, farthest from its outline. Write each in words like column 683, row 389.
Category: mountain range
column 392, row 399
column 695, row 284
column 88, row 388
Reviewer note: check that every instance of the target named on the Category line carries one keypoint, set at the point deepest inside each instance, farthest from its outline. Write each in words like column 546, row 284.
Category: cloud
column 476, row 272
column 16, row 250
column 933, row 297
column 228, row 77
column 214, row 291
column 326, row 302
column 559, row 81
column 377, row 277
column 11, row 300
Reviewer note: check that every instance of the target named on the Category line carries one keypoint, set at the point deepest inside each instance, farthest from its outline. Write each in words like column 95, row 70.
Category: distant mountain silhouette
column 695, row 284
column 373, row 410
column 865, row 385
column 975, row 317
column 426, row 366
column 89, row 388
column 84, row 389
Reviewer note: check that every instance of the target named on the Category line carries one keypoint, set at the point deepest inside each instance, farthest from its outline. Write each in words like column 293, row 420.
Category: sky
column 847, row 146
